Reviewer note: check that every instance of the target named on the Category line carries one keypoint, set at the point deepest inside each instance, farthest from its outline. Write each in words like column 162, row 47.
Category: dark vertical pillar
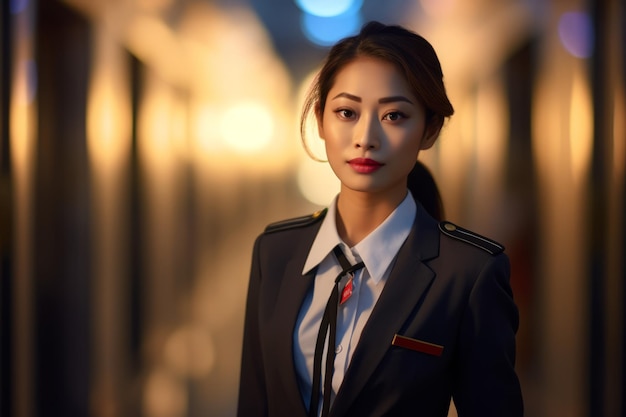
column 6, row 279
column 622, row 53
column 136, row 258
column 598, row 208
column 520, row 76
column 61, row 214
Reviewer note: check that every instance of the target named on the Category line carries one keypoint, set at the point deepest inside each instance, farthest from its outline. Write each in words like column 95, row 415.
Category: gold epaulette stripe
column 472, row 238
column 296, row 222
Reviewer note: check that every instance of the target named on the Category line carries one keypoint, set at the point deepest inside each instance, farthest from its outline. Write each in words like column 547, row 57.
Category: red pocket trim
column 417, row 345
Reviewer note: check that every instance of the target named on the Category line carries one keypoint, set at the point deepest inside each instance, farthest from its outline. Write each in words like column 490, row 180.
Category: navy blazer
column 448, row 299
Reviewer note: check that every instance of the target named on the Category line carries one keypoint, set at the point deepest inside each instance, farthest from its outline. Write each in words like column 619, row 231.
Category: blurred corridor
column 145, row 143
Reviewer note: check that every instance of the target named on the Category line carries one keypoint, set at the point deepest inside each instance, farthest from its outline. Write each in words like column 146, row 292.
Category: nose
column 368, row 134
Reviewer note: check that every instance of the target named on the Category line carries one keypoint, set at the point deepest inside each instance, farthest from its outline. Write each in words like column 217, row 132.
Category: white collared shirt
column 377, row 251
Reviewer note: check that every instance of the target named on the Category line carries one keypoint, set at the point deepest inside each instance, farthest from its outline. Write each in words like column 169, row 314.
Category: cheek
column 408, row 143
column 336, row 135
column 406, row 154
column 406, row 162
column 334, row 147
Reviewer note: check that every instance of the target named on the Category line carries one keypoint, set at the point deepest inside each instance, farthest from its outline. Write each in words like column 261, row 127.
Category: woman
column 372, row 307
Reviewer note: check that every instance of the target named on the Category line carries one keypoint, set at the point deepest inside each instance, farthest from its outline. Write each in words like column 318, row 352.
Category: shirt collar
column 377, row 250
column 327, row 238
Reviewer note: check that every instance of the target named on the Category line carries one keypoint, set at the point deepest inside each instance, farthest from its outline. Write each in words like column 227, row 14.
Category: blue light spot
column 326, row 31
column 18, row 6
column 576, row 34
column 328, row 8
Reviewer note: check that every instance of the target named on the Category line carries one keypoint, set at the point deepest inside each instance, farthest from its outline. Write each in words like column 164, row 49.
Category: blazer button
column 338, row 349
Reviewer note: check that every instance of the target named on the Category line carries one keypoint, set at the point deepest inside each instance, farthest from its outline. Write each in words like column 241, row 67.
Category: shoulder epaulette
column 296, row 222
column 456, row 232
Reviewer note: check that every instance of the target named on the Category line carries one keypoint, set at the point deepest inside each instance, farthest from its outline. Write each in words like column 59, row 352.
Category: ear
column 320, row 122
column 431, row 133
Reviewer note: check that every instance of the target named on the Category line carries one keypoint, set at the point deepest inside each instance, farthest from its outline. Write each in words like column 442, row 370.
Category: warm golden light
column 580, row 125
column 317, row 182
column 154, row 6
column 453, row 151
column 231, row 55
column 482, row 53
column 157, row 45
column 23, row 128
column 247, row 126
column 22, row 117
column 205, row 127
column 179, row 129
column 108, row 148
column 164, row 395
column 239, row 89
column 491, row 129
column 490, row 153
column 313, row 142
column 161, row 136
column 560, row 153
column 108, row 106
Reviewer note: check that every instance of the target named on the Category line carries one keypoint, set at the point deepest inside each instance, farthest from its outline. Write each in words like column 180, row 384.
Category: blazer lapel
column 406, row 285
column 293, row 289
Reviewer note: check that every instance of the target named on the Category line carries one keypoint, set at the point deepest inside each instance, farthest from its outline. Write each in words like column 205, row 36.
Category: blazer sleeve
column 486, row 384
column 252, row 392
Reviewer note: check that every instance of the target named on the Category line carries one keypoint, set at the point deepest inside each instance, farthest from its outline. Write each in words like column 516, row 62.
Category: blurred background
column 146, row 143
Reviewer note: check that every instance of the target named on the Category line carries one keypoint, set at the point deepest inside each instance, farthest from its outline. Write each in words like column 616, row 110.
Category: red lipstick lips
column 364, row 165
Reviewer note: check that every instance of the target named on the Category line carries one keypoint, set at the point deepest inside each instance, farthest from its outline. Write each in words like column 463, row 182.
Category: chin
column 364, row 186
column 374, row 185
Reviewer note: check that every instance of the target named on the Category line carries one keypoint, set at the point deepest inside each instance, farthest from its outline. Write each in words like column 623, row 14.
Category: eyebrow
column 383, row 100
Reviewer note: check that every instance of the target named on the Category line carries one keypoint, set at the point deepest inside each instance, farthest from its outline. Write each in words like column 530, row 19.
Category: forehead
column 367, row 76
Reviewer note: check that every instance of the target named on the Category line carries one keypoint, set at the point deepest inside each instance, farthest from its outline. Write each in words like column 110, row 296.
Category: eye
column 345, row 114
column 394, row 116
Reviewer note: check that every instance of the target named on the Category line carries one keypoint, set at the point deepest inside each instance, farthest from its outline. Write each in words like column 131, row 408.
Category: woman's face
column 373, row 127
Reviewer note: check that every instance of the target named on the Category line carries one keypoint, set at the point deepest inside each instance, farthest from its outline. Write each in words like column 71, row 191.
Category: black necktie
column 328, row 325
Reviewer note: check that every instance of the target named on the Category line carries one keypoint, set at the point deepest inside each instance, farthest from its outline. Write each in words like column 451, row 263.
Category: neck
column 359, row 213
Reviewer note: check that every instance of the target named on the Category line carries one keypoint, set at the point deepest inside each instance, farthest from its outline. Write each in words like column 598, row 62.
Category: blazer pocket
column 417, row 345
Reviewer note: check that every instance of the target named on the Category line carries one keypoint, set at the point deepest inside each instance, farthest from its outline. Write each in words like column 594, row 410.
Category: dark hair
column 414, row 57
column 424, row 189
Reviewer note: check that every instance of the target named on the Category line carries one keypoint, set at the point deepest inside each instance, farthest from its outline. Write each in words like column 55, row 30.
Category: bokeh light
column 108, row 107
column 317, row 182
column 581, row 126
column 205, row 127
column 247, row 126
column 325, row 31
column 155, row 121
column 576, row 33
column 328, row 8
column 164, row 395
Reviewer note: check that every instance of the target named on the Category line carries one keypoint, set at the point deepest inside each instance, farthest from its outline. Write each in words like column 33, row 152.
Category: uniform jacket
column 444, row 326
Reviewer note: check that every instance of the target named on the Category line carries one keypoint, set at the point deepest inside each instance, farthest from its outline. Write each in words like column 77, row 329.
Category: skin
column 371, row 112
